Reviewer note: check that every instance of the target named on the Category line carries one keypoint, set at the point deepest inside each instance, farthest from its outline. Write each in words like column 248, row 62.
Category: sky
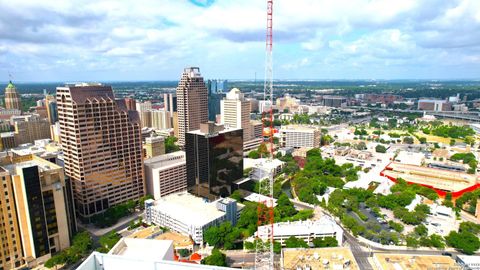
column 122, row 40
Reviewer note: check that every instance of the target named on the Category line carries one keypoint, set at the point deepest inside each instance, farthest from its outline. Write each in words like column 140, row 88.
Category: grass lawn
column 438, row 139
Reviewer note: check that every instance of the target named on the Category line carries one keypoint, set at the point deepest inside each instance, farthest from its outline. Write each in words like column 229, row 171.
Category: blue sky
column 93, row 40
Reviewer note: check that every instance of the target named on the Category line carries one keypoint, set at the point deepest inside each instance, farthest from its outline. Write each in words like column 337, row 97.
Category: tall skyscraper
column 38, row 214
column 191, row 102
column 12, row 98
column 235, row 111
column 102, row 147
column 131, row 104
column 214, row 160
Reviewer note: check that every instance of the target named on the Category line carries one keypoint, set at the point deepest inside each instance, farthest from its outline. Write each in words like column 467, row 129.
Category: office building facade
column 154, row 146
column 214, row 160
column 41, row 215
column 102, row 147
column 30, row 128
column 166, row 174
column 192, row 102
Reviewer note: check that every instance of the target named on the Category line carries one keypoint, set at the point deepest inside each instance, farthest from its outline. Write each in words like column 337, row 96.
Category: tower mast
column 264, row 257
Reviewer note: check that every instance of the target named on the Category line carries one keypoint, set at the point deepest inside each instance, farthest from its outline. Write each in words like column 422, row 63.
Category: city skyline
column 155, row 40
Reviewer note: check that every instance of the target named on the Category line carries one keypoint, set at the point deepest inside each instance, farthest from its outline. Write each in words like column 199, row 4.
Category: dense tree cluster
column 452, row 131
column 80, row 247
column 217, row 258
column 466, row 158
column 170, row 145
column 113, row 214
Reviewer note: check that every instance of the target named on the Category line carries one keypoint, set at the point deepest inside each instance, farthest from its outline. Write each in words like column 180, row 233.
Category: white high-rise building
column 235, row 111
column 166, row 174
column 299, row 136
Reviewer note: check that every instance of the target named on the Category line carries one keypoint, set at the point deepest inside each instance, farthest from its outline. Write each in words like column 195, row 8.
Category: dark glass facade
column 214, row 162
column 35, row 202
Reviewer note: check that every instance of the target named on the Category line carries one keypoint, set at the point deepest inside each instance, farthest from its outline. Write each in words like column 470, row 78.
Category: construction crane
column 264, row 239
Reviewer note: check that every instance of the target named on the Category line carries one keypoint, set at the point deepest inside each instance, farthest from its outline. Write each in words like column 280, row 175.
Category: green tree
column 380, row 149
column 408, row 140
column 107, row 241
column 293, row 242
column 285, row 206
column 254, row 154
column 464, row 241
column 421, row 230
column 217, row 258
column 170, row 145
column 236, row 195
column 325, row 242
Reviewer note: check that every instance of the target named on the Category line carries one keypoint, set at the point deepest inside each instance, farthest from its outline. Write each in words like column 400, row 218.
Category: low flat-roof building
column 318, row 258
column 469, row 262
column 185, row 213
column 262, row 167
column 166, row 174
column 441, row 181
column 388, row 261
column 306, row 230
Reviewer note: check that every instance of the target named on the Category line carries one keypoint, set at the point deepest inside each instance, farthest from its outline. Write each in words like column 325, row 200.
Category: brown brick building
column 102, row 146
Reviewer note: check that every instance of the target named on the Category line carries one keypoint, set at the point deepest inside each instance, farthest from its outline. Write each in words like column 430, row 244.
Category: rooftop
column 318, row 258
column 144, row 248
column 166, row 160
column 188, row 208
column 407, row 261
column 324, row 224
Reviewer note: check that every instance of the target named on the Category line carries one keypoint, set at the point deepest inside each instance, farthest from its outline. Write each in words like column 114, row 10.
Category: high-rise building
column 145, row 117
column 12, row 98
column 191, row 102
column 52, row 112
column 131, row 104
column 170, row 103
column 235, row 112
column 29, row 128
column 166, row 174
column 154, row 146
column 38, row 211
column 160, row 119
column 214, row 160
column 299, row 136
column 102, row 147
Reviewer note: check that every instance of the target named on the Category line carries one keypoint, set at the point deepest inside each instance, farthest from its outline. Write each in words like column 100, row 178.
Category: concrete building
column 306, row 230
column 7, row 140
column 235, row 111
column 29, row 128
column 102, row 147
column 142, row 109
column 170, row 103
column 262, row 167
column 190, row 215
column 12, row 98
column 434, row 105
column 192, row 102
column 214, row 160
column 166, row 174
column 154, row 146
column 299, row 136
column 287, row 103
column 253, row 104
column 160, row 119
column 39, row 216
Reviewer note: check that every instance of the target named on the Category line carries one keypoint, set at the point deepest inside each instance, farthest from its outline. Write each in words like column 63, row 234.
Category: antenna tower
column 264, row 257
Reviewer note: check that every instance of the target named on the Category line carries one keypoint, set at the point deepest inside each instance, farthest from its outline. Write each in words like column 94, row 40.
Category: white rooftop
column 150, row 249
column 188, row 208
column 262, row 162
column 259, row 198
column 321, row 226
column 166, row 160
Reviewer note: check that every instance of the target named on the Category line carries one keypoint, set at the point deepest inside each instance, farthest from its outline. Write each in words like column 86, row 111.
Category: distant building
column 12, row 98
column 434, row 105
column 299, row 136
column 253, row 104
column 102, row 147
column 38, row 213
column 188, row 214
column 287, row 103
column 214, row 160
column 192, row 102
column 170, row 103
column 29, row 128
column 166, row 174
column 333, row 101
column 381, row 98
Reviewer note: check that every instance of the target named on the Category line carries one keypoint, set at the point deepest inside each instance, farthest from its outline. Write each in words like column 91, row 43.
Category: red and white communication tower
column 264, row 237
